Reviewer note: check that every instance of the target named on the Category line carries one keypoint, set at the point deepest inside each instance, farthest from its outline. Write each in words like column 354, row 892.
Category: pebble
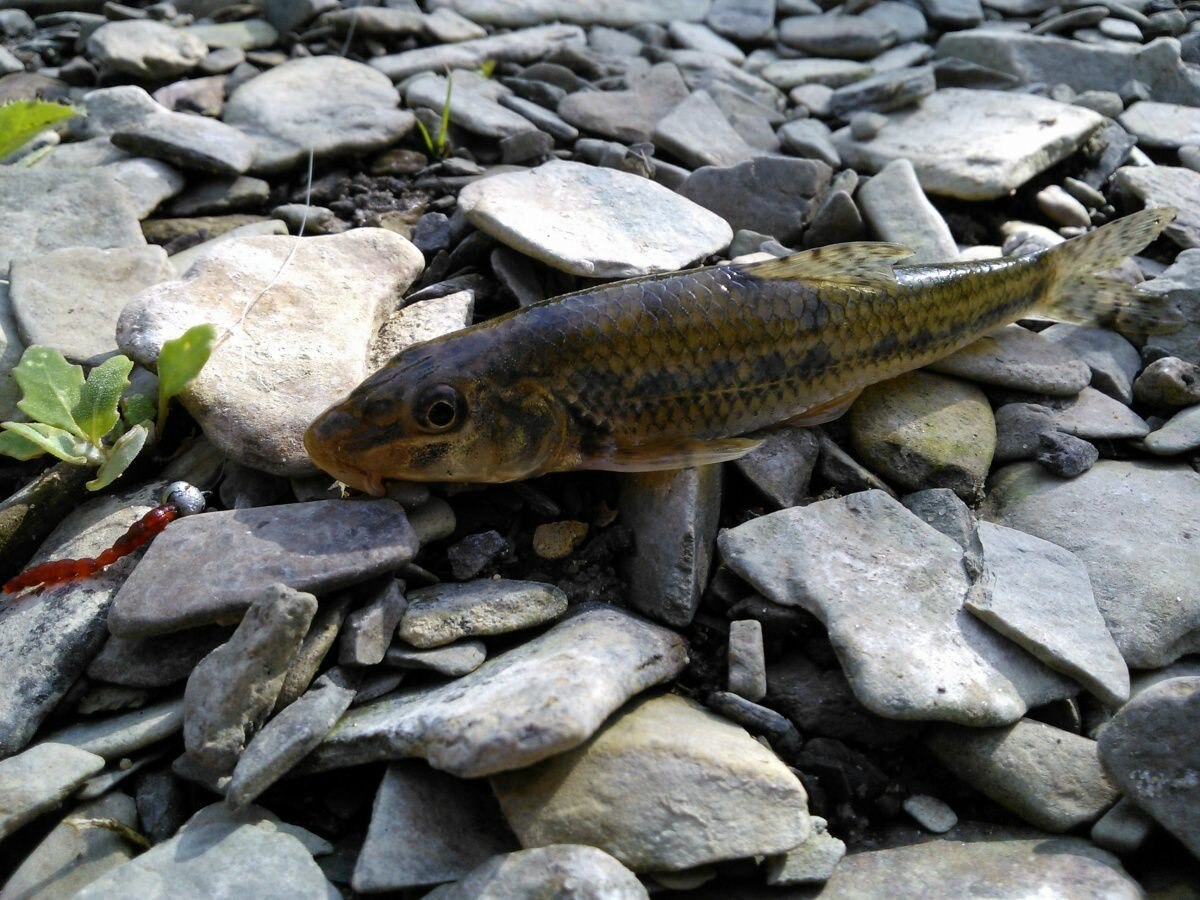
column 1179, row 434
column 1141, row 572
column 951, row 141
column 616, row 13
column 698, row 134
column 1169, row 125
column 1123, row 829
column 673, row 515
column 1167, row 186
column 257, row 394
column 428, row 827
column 1095, row 416
column 810, row 138
column 908, row 21
column 558, row 540
column 833, row 73
column 70, row 298
column 1065, row 455
column 476, row 553
column 694, row 36
column 315, row 646
column 781, row 467
column 1038, row 595
column 1019, row 429
column 452, row 661
column 922, row 430
column 36, row 780
column 444, row 613
column 1061, row 208
column 73, row 855
column 1064, row 867
column 205, row 96
column 216, row 854
column 770, row 194
column 474, row 106
column 537, row 700
column 289, row 736
column 745, row 20
column 747, row 660
column 149, row 182
column 1065, row 788
column 1169, row 382
column 909, row 654
column 812, row 862
column 943, row 510
column 313, row 546
column 758, row 720
column 629, row 115
column 247, row 34
column 1017, row 358
column 145, row 49
column 154, row 662
column 232, row 691
column 842, row 36
column 122, row 735
column 887, row 91
column 689, row 762
column 1147, row 749
column 324, row 105
column 596, row 222
column 897, row 210
column 559, row 870
column 1114, row 362
column 420, row 321
column 524, row 45
column 1180, row 285
column 368, row 630
column 930, row 813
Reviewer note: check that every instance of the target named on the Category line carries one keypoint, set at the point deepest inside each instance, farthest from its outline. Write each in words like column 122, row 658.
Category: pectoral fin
column 861, row 264
column 672, row 455
column 825, row 412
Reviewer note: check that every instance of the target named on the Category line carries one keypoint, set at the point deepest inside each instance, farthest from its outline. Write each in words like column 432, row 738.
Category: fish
column 683, row 369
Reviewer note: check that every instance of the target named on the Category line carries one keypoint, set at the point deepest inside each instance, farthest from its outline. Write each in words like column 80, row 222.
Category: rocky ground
column 944, row 646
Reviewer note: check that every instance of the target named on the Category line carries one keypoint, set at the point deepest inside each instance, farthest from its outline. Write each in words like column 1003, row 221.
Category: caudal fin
column 1082, row 296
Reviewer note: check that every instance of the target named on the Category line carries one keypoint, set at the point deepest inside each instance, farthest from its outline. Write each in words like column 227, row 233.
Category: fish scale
column 670, row 370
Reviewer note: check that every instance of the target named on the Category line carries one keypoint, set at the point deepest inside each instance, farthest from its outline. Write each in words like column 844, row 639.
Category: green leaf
column 52, row 440
column 426, row 138
column 180, row 361
column 51, row 387
column 97, row 413
column 123, row 452
column 12, row 444
column 444, row 129
column 22, row 119
column 138, row 408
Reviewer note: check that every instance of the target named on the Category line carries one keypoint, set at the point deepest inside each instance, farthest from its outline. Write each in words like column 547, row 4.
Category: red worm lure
column 178, row 499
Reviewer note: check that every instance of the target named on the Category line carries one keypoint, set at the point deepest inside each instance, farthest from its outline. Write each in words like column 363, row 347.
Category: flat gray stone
column 590, row 221
column 219, row 855
column 1143, row 565
column 615, row 13
column 379, row 22
column 154, row 662
column 1100, row 67
column 1169, row 125
column 145, row 49
column 1005, row 867
column 697, row 133
column 1096, row 416
column 673, row 516
column 893, row 607
column 556, row 871
column 772, row 195
column 294, row 350
column 368, row 630
column 188, row 141
column 289, row 736
column 536, row 700
column 1180, row 285
column 1179, row 434
column 629, row 115
column 694, row 36
column 1149, row 747
column 897, row 210
column 472, row 105
column 38, row 779
column 837, row 35
column 689, row 762
column 453, row 660
column 1019, row 430
column 323, row 104
column 73, row 855
column 444, row 613
column 789, row 73
column 317, row 546
column 1114, row 361
column 891, row 89
column 810, row 139
column 974, row 144
column 1124, row 828
column 525, row 45
column 1049, row 777
column 220, row 194
column 782, row 465
column 745, row 20
column 1020, row 359
column 231, row 691
column 149, row 182
column 117, row 736
column 809, row 863
column 45, row 211
column 247, row 34
column 111, row 109
column 1061, row 208
column 428, row 827
column 930, row 813
column 1039, row 595
column 921, row 430
column 70, row 299
column 420, row 321
column 1167, row 186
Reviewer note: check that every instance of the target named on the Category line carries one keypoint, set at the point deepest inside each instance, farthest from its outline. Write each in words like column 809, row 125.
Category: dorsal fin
column 860, row 264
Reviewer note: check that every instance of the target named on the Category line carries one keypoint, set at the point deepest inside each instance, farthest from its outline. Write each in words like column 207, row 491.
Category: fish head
column 413, row 421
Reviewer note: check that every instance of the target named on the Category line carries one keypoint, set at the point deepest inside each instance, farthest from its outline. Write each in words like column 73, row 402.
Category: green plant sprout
column 23, row 119
column 439, row 147
column 83, row 421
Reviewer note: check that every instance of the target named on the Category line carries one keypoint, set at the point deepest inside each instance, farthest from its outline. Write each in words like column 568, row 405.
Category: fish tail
column 1083, row 296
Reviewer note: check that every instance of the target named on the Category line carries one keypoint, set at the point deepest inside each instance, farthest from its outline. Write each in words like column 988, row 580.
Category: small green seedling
column 80, row 420
column 22, row 119
column 439, row 147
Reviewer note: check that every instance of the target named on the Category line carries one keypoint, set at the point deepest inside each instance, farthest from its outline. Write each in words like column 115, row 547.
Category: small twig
column 116, row 827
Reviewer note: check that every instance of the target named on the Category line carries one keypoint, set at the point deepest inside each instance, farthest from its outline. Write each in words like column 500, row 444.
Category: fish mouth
column 326, row 452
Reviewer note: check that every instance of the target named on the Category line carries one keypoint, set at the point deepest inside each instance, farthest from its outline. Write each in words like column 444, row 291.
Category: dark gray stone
column 119, row 736
column 1019, row 359
column 832, row 34
column 782, row 465
column 453, row 660
column 883, row 92
column 155, row 662
column 368, row 630
column 1065, row 455
column 742, row 20
column 476, row 553
column 697, row 133
column 810, row 138
column 629, row 115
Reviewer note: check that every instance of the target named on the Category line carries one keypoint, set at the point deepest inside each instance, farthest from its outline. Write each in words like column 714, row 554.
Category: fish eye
column 439, row 408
